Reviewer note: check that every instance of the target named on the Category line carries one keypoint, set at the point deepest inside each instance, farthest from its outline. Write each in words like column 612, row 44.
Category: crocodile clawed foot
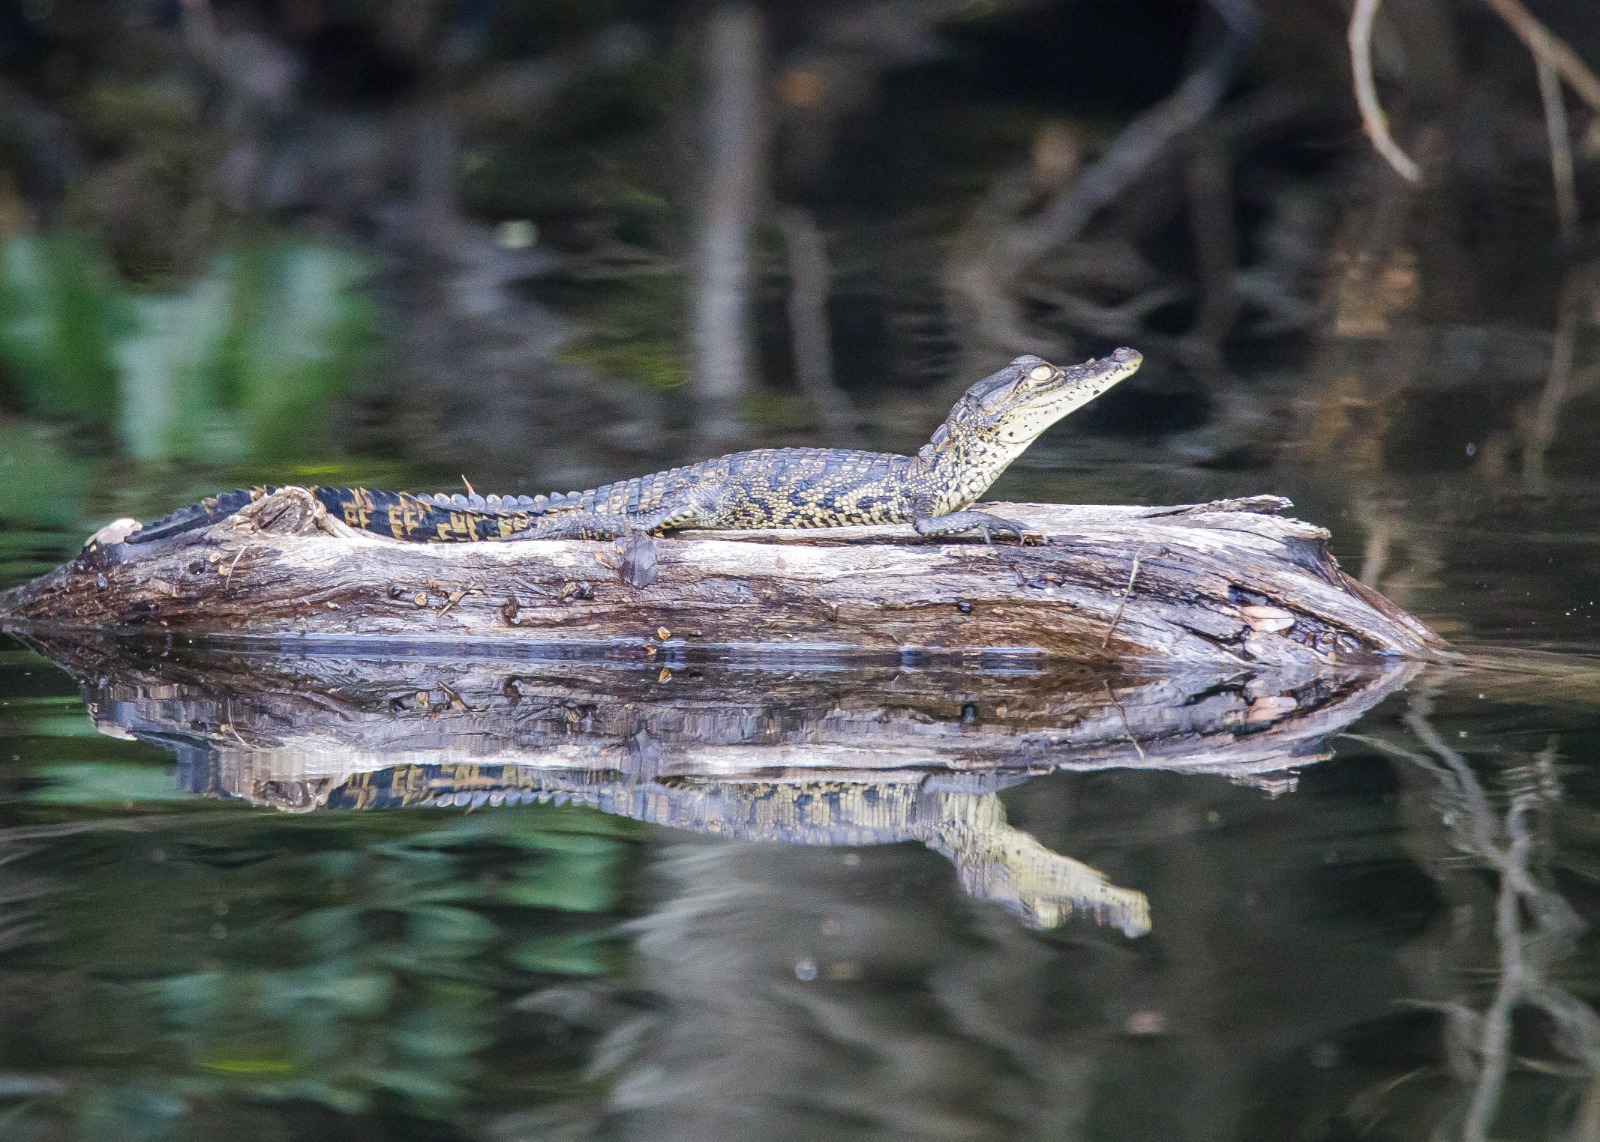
column 1027, row 536
column 986, row 525
column 1024, row 535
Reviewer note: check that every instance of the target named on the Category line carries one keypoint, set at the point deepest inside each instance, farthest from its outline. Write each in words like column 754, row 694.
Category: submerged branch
column 1533, row 926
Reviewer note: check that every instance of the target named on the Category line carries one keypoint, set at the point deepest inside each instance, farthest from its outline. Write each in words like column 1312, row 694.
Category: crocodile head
column 1012, row 407
column 996, row 419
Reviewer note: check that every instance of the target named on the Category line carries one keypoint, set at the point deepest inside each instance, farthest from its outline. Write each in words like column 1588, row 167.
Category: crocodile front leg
column 956, row 523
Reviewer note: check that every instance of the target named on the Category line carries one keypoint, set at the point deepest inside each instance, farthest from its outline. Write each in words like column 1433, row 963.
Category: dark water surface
column 371, row 898
column 463, row 899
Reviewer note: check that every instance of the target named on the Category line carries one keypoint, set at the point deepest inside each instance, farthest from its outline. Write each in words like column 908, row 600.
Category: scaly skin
column 990, row 426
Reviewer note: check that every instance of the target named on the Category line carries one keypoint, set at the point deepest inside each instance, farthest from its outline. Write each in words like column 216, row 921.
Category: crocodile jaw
column 1054, row 394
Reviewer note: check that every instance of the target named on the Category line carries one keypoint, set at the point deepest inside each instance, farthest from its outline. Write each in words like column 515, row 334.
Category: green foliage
column 578, row 953
column 40, row 482
column 239, row 366
column 102, row 782
column 355, row 961
column 61, row 313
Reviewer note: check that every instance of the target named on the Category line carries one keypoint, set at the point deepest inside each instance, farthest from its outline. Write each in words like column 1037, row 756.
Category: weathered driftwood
column 876, row 756
column 1220, row 585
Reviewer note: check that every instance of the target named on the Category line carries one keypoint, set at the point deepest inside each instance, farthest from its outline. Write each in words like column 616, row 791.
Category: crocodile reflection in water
column 876, row 756
column 957, row 816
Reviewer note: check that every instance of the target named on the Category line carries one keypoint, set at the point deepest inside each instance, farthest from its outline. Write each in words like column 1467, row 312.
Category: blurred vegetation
column 638, row 333
column 62, row 314
column 217, row 215
column 243, row 364
column 361, row 965
column 41, row 480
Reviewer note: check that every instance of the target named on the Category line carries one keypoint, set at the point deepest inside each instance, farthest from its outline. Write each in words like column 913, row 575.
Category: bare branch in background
column 734, row 141
column 809, row 278
column 1372, row 116
column 1548, row 47
column 1561, row 172
column 1577, row 296
column 1555, row 61
column 1208, row 180
column 985, row 284
column 1140, row 144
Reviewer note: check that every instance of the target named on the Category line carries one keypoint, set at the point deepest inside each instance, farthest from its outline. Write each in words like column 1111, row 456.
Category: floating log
column 872, row 756
column 1221, row 585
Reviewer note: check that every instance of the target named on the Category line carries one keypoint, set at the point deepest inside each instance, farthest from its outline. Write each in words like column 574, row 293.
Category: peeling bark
column 1218, row 585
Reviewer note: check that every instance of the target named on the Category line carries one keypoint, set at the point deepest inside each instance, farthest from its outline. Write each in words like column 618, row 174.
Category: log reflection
column 805, row 757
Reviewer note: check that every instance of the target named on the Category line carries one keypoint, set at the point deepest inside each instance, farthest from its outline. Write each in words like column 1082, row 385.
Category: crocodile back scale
column 990, row 426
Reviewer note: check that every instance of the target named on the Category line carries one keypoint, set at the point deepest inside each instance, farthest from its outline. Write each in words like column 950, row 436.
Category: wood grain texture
column 1220, row 585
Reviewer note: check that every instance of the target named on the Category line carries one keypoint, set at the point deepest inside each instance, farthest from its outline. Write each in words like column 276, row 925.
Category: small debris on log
column 1224, row 585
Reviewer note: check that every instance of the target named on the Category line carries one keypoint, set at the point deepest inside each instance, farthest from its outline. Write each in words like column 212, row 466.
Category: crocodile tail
column 432, row 519
column 399, row 515
column 203, row 514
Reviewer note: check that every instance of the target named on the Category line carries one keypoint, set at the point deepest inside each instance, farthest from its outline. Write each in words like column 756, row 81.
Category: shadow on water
column 1292, row 906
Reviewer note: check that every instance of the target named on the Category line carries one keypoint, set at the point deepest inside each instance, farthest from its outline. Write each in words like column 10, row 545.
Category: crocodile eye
column 1040, row 373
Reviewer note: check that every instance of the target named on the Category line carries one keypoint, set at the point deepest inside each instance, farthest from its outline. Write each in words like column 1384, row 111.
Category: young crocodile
column 989, row 427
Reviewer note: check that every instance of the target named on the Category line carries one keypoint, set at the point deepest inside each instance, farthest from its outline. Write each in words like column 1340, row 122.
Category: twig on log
column 1111, row 696
column 1133, row 574
column 1372, row 116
